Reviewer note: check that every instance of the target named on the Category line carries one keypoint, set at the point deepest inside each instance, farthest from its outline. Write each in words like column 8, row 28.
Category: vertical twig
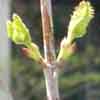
column 47, row 26
column 49, row 51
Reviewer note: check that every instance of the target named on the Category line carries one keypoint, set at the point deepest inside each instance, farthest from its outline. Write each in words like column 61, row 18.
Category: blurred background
column 80, row 79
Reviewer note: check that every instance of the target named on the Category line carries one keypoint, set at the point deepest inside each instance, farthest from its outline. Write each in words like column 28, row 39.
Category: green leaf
column 17, row 31
column 19, row 34
column 9, row 28
column 79, row 21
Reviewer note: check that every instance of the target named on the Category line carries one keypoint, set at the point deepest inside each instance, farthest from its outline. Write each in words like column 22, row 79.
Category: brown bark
column 50, row 73
column 47, row 26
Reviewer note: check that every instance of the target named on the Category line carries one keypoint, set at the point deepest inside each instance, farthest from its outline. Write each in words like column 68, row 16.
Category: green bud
column 66, row 50
column 33, row 52
column 79, row 21
column 17, row 31
column 19, row 34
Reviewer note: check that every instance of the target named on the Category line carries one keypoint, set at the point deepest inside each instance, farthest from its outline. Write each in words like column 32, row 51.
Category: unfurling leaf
column 17, row 31
column 19, row 34
column 9, row 28
column 79, row 21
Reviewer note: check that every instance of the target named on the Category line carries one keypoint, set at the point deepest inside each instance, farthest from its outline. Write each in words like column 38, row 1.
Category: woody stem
column 51, row 74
